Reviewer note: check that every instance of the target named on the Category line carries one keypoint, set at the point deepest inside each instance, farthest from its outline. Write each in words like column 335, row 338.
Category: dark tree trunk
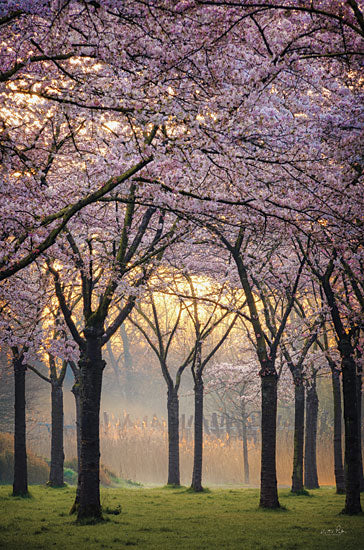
column 76, row 392
column 57, row 455
column 268, row 476
column 196, row 484
column 352, row 462
column 311, row 478
column 338, row 453
column 299, row 430
column 245, row 452
column 173, row 437
column 348, row 369
column 20, row 485
column 91, row 368
column 359, row 406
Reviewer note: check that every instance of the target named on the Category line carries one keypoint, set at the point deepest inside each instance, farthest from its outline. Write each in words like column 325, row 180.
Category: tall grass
column 138, row 451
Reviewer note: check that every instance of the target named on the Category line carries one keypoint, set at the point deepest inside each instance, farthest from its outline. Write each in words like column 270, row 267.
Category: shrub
column 70, row 476
column 107, row 477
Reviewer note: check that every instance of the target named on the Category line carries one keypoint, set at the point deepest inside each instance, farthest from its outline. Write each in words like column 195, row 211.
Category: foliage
column 152, row 519
column 244, row 119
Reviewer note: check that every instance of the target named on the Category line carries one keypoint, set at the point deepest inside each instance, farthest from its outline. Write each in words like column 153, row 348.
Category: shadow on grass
column 27, row 495
column 345, row 513
column 278, row 510
column 204, row 491
column 90, row 521
column 301, row 493
column 112, row 511
column 50, row 485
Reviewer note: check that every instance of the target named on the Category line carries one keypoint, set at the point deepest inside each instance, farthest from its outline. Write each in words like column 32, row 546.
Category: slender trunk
column 76, row 392
column 91, row 368
column 115, row 367
column 128, row 363
column 196, row 484
column 173, row 437
column 352, row 462
column 245, row 452
column 78, row 429
column 338, row 453
column 20, row 485
column 299, row 429
column 57, row 455
column 359, row 405
column 311, row 478
column 268, row 476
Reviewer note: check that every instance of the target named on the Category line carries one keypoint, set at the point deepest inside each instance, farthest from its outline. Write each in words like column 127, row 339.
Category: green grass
column 167, row 518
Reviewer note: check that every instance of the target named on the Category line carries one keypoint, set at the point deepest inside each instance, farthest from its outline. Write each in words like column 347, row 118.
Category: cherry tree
column 204, row 323
column 346, row 325
column 238, row 393
column 103, row 267
column 56, row 376
column 21, row 331
column 230, row 114
column 333, row 360
column 160, row 330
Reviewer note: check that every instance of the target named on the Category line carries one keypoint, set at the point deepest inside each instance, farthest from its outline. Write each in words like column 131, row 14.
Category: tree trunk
column 91, row 368
column 196, row 484
column 338, row 453
column 359, row 405
column 20, row 485
column 299, row 429
column 268, row 476
column 128, row 364
column 245, row 452
column 311, row 478
column 173, row 437
column 348, row 367
column 57, row 455
column 76, row 392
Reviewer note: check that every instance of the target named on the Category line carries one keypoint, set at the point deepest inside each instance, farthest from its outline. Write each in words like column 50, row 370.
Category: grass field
column 166, row 518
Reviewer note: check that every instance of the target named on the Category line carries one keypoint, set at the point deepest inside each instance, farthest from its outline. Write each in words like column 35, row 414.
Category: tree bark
column 359, row 406
column 351, row 421
column 76, row 392
column 57, row 454
column 299, row 429
column 311, row 478
column 91, row 368
column 245, row 452
column 20, row 485
column 196, row 484
column 173, row 437
column 338, row 453
column 352, row 462
column 268, row 476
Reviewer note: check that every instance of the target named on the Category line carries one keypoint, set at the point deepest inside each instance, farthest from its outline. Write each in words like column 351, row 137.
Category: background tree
column 23, row 301
column 163, row 330
column 237, row 394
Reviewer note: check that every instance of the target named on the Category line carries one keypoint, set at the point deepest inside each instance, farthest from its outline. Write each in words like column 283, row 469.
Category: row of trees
column 220, row 139
column 167, row 322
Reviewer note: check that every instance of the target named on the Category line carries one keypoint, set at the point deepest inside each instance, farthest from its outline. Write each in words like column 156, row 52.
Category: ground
column 167, row 518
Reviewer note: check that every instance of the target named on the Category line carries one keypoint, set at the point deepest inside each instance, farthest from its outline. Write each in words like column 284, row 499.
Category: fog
column 134, row 438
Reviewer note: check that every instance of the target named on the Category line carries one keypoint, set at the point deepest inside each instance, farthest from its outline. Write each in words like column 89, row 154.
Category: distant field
column 165, row 518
